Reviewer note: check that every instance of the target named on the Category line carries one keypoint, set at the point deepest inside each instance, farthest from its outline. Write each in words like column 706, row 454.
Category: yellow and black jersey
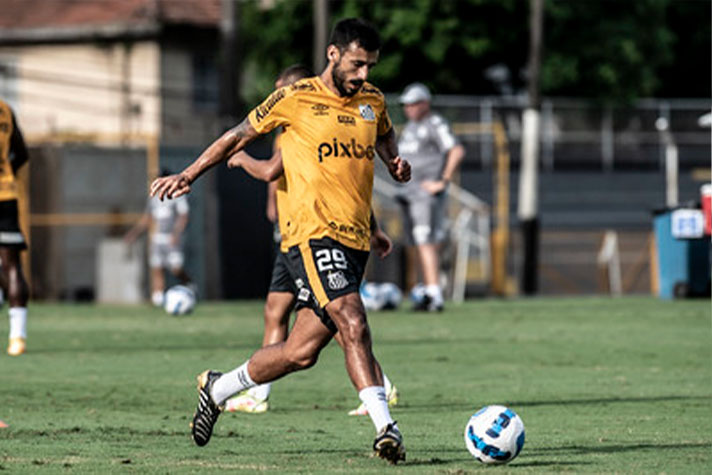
column 10, row 139
column 281, row 194
column 327, row 152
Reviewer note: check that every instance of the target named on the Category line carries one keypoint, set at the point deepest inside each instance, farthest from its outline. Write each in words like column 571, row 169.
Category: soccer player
column 282, row 292
column 13, row 154
column 166, row 221
column 335, row 123
column 430, row 146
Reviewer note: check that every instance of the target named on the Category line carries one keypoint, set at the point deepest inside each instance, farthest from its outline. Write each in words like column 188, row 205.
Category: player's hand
column 171, row 186
column 381, row 243
column 235, row 160
column 433, row 186
column 399, row 169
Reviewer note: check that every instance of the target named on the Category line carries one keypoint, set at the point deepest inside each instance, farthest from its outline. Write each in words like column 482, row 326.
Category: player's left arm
column 265, row 170
column 18, row 149
column 228, row 144
column 387, row 149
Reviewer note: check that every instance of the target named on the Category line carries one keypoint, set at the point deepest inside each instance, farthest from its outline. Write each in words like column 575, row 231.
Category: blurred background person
column 166, row 221
column 13, row 154
column 434, row 153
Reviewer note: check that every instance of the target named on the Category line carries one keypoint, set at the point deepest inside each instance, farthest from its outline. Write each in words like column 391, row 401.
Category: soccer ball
column 391, row 295
column 179, row 300
column 371, row 296
column 494, row 435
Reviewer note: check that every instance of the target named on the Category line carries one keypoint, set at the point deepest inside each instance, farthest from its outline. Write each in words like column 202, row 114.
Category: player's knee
column 303, row 359
column 353, row 327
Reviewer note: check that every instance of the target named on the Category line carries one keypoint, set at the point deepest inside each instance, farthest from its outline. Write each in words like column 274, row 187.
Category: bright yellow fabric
column 328, row 150
column 8, row 185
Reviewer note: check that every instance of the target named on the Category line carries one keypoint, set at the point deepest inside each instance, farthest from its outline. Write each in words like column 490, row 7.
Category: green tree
column 607, row 50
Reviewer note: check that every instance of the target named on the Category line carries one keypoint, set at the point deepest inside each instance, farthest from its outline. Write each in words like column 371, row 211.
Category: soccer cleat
column 428, row 304
column 389, row 444
column 206, row 415
column 246, row 402
column 16, row 347
column 391, row 397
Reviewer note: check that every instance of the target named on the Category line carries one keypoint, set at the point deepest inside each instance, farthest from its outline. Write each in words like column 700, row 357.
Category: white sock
column 374, row 398
column 18, row 322
column 232, row 383
column 387, row 383
column 434, row 292
column 157, row 298
column 261, row 391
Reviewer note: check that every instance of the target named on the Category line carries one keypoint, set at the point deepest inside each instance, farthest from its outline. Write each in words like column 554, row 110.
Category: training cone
column 2, row 424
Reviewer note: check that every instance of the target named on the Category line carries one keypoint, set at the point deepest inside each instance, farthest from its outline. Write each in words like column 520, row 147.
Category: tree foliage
column 609, row 50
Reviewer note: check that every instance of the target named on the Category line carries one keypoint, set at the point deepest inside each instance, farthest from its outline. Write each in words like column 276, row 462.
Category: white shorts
column 424, row 218
column 165, row 256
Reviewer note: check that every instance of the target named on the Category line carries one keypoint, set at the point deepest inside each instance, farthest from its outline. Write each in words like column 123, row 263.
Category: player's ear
column 333, row 54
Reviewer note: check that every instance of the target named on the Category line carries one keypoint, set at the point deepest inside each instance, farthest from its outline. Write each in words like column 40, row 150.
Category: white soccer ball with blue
column 391, row 295
column 417, row 294
column 494, row 435
column 371, row 296
column 179, row 300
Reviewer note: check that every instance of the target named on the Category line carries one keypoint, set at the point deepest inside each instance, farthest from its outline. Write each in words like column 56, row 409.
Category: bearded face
column 350, row 68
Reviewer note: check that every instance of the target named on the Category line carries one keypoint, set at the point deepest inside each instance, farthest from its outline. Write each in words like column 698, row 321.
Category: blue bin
column 683, row 264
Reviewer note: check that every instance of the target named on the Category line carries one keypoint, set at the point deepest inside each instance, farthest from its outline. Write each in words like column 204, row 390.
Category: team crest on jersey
column 336, row 280
column 366, row 112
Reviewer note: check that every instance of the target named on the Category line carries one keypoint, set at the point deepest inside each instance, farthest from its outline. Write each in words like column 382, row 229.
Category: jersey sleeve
column 384, row 121
column 275, row 111
column 442, row 133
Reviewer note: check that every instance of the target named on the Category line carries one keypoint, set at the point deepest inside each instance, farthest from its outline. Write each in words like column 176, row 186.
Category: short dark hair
column 355, row 29
column 294, row 73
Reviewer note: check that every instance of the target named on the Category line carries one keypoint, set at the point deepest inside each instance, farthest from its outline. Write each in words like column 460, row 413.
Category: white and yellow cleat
column 391, row 397
column 245, row 402
column 16, row 347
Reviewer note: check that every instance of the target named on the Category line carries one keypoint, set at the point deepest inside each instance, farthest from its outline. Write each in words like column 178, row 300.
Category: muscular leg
column 300, row 351
column 17, row 289
column 17, row 295
column 276, row 315
column 348, row 314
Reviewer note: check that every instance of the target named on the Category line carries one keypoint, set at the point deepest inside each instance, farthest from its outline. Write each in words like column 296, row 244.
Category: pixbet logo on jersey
column 347, row 150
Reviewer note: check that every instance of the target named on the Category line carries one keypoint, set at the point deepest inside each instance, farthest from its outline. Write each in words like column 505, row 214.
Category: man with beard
column 334, row 125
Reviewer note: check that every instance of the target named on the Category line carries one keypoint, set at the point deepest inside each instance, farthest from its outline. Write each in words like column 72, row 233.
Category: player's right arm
column 228, row 144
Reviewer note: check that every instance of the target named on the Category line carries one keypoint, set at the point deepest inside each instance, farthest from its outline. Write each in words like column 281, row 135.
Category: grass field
column 602, row 385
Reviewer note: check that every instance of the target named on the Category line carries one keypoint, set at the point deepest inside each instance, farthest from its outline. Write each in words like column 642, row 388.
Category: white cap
column 416, row 92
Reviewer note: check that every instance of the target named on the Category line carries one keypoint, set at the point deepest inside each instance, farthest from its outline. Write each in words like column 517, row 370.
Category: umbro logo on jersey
column 366, row 112
column 346, row 150
column 320, row 109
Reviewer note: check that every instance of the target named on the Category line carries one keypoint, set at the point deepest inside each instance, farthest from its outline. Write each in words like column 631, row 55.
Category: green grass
column 603, row 385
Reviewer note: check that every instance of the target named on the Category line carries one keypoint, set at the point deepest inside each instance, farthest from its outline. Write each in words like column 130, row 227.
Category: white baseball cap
column 415, row 92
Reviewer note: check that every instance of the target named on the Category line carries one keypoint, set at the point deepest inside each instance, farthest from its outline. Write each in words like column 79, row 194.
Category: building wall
column 97, row 89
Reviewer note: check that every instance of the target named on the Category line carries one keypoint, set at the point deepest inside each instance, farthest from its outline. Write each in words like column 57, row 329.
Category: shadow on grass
column 450, row 406
column 614, row 449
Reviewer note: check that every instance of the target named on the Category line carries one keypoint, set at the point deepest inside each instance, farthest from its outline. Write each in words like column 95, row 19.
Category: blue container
column 683, row 264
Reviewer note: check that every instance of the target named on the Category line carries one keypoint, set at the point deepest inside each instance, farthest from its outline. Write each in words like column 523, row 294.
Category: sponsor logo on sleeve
column 263, row 109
